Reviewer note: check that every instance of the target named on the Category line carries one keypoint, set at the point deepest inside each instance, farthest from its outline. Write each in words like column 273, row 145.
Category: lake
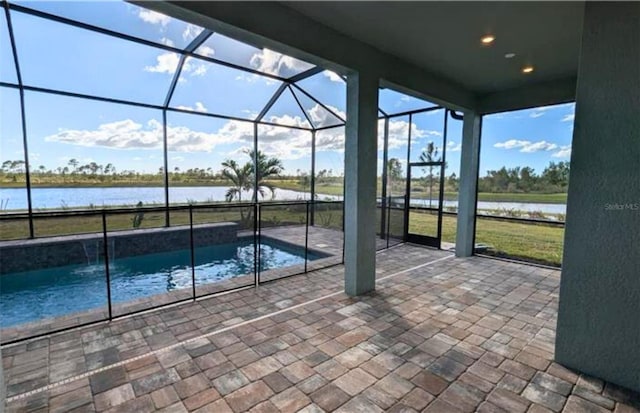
column 16, row 198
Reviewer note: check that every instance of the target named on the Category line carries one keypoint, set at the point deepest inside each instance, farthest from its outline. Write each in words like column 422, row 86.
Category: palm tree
column 430, row 154
column 266, row 168
column 240, row 178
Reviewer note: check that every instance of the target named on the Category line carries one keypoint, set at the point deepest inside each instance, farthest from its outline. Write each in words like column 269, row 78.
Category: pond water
column 16, row 198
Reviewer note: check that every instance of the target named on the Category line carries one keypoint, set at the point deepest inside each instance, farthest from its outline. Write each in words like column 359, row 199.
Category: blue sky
column 57, row 56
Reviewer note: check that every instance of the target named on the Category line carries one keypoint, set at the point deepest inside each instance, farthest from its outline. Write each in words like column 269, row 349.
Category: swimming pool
column 40, row 294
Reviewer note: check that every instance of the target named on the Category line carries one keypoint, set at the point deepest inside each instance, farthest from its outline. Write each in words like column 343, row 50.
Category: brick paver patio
column 440, row 334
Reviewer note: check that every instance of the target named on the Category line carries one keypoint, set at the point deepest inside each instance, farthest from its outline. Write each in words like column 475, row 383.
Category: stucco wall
column 599, row 317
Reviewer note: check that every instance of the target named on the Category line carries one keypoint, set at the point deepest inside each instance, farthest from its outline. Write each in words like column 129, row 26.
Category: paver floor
column 439, row 334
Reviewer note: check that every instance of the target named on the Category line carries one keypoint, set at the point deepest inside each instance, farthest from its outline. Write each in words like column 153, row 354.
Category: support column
column 360, row 183
column 467, row 191
column 598, row 331
column 3, row 389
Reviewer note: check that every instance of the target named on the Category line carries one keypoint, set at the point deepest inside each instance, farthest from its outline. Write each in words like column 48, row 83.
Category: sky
column 58, row 56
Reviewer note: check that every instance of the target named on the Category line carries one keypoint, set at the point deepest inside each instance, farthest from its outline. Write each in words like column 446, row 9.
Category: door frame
column 421, row 239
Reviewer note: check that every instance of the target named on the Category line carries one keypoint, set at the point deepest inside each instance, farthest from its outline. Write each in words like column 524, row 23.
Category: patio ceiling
column 444, row 37
column 429, row 49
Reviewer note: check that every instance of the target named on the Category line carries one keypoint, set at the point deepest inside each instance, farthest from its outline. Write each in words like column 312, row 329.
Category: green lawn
column 533, row 242
column 337, row 189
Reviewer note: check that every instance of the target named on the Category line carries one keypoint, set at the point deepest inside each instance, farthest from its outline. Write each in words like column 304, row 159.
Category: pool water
column 35, row 295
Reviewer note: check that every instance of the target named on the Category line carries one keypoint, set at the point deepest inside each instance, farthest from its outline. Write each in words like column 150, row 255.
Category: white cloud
column 564, row 152
column 399, row 133
column 167, row 42
column 196, row 70
column 536, row 114
column 206, row 51
column 199, row 107
column 568, row 118
column 128, row 134
column 452, row 146
column 166, row 63
column 191, row 32
column 322, row 117
column 282, row 142
column 153, row 17
column 511, row 143
column 177, row 158
column 333, row 76
column 274, row 63
column 289, row 120
column 526, row 146
column 539, row 146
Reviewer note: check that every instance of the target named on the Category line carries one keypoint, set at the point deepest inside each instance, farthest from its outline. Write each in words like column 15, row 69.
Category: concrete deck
column 440, row 334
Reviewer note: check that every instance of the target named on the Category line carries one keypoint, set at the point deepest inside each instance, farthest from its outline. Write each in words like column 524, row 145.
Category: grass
column 329, row 216
column 337, row 189
column 533, row 242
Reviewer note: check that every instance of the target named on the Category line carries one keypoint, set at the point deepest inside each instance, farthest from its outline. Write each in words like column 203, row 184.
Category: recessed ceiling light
column 487, row 40
column 509, row 55
column 527, row 69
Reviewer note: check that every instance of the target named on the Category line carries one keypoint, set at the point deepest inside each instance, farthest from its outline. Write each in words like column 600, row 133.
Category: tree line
column 553, row 179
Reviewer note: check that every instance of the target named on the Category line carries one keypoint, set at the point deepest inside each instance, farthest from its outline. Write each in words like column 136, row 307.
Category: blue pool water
column 53, row 292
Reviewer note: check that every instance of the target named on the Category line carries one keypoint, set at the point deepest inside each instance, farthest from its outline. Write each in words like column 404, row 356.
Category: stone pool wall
column 26, row 255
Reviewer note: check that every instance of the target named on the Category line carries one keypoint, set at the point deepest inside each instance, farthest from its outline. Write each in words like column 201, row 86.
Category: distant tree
column 430, row 154
column 453, row 182
column 528, row 179
column 73, row 162
column 304, row 180
column 394, row 169
column 557, row 174
column 6, row 165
